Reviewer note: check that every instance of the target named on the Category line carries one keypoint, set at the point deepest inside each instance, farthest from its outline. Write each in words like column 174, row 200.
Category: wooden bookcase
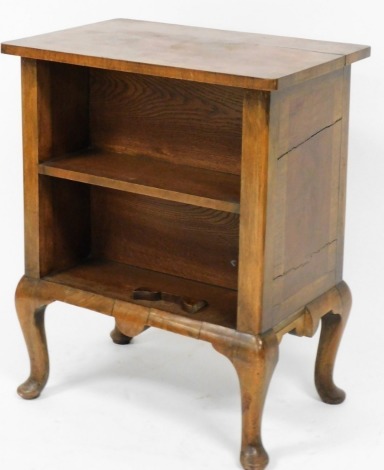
column 191, row 180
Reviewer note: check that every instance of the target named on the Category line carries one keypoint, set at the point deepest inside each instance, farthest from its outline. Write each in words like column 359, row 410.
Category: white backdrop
column 168, row 402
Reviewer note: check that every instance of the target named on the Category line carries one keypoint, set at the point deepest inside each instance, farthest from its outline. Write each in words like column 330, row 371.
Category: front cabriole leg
column 254, row 358
column 30, row 307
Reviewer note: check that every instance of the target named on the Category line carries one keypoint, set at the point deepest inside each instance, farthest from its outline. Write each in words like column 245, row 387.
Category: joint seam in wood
column 308, row 260
column 309, row 138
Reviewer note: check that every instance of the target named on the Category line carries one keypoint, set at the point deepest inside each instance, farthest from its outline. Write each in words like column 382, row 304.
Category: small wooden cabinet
column 191, row 180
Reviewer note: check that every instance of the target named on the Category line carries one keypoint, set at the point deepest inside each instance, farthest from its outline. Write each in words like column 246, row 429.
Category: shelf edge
column 135, row 188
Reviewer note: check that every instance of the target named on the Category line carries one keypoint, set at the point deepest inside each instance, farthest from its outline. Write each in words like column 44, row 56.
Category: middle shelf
column 149, row 176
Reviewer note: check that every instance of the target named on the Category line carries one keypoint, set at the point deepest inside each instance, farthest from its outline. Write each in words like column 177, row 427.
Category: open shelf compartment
column 141, row 175
column 159, row 137
column 112, row 242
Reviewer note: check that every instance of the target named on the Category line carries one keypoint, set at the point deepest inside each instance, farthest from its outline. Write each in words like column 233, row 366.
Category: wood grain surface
column 181, row 122
column 179, row 239
column 191, row 180
column 150, row 177
column 118, row 281
column 189, row 53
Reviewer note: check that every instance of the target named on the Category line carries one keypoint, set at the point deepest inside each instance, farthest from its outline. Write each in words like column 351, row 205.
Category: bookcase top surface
column 245, row 60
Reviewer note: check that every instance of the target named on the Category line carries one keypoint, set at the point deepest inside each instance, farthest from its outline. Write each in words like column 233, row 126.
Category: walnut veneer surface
column 192, row 180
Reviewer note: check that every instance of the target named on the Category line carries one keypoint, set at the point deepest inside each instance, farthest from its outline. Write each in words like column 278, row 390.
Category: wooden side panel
column 308, row 251
column 187, row 241
column 304, row 210
column 306, row 109
column 54, row 122
column 178, row 121
column 253, row 211
column 343, row 173
column 34, row 96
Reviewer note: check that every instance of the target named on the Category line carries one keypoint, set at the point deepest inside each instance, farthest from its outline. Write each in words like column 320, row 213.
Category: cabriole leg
column 254, row 364
column 333, row 324
column 30, row 310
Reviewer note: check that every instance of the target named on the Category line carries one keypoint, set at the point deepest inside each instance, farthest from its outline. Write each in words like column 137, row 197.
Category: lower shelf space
column 119, row 281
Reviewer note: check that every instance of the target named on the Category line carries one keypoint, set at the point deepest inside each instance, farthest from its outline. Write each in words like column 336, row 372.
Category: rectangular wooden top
column 244, row 60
